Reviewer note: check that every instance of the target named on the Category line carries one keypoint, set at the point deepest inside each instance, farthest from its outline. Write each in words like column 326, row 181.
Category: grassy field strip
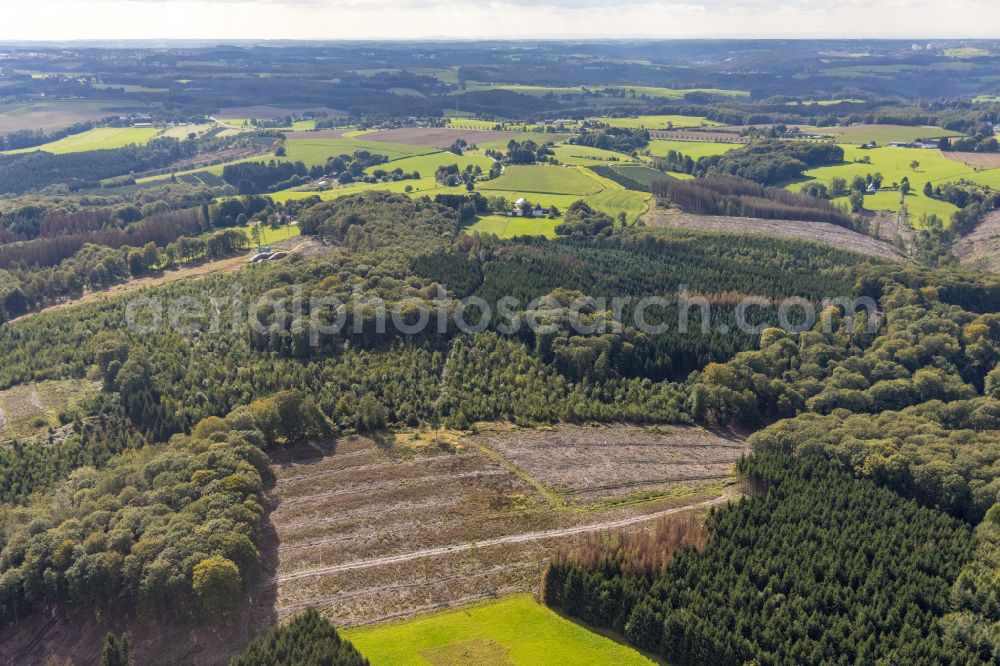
column 101, row 138
column 515, row 630
column 498, row 541
column 512, row 227
column 537, row 179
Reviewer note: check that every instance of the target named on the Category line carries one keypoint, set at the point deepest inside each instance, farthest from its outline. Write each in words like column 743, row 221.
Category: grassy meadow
column 544, row 179
column 100, row 138
column 514, row 631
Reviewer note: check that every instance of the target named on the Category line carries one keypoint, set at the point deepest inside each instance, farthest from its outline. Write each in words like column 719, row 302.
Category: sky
column 499, row 19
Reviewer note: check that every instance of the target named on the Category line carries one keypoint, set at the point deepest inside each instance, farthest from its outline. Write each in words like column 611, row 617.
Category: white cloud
column 407, row 19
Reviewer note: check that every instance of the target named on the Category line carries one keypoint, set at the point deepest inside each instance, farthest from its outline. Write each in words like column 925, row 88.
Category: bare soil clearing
column 604, row 462
column 437, row 137
column 980, row 248
column 977, row 160
column 56, row 115
column 374, row 532
column 817, row 232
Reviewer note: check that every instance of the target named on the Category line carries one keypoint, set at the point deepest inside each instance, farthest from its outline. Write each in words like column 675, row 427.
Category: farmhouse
column 523, row 208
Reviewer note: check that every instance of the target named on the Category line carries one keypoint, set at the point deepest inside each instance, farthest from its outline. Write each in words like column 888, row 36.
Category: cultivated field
column 818, row 232
column 438, row 137
column 374, row 531
column 977, row 160
column 516, row 630
column 57, row 115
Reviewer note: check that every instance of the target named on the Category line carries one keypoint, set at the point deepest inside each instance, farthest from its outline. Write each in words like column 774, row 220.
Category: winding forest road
column 498, row 541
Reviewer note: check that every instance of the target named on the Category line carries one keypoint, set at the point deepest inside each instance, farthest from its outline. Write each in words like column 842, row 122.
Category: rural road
column 498, row 541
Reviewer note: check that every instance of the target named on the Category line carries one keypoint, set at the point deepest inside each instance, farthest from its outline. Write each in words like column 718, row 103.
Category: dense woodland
column 769, row 162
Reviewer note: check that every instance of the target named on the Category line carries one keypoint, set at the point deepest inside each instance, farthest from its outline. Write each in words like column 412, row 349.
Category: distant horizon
column 503, row 20
column 202, row 41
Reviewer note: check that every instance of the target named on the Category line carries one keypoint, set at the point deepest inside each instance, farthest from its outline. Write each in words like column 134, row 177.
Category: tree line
column 726, row 195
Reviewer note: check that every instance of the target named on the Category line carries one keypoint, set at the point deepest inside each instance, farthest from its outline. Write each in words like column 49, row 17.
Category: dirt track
column 501, row 541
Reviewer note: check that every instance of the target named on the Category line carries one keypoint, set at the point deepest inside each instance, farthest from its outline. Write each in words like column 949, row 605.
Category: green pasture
column 514, row 631
column 545, row 179
column 894, row 164
column 614, row 201
column 886, row 134
column 510, row 227
column 585, row 155
column 537, row 137
column 101, row 138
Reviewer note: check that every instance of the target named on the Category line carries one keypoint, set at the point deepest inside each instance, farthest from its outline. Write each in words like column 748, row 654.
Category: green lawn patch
column 515, row 630
column 544, row 179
